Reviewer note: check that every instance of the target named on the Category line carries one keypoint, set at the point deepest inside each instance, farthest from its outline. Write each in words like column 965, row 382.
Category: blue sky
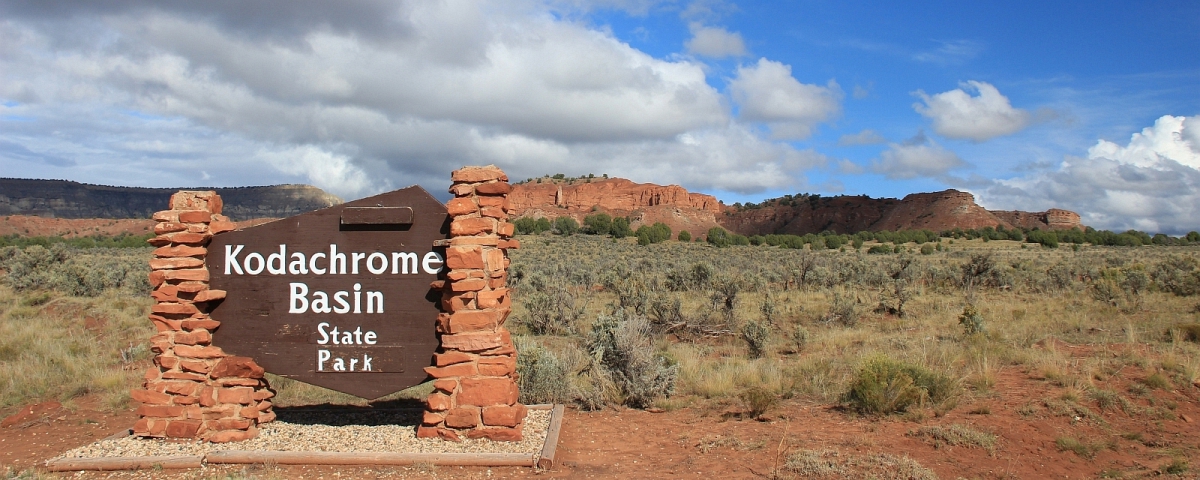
column 1093, row 107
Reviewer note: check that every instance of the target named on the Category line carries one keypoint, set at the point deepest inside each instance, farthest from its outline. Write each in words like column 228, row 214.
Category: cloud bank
column 919, row 156
column 362, row 97
column 1152, row 183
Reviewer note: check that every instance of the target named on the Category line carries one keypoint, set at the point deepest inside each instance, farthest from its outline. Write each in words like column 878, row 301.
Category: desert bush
column 884, row 386
column 799, row 337
column 685, row 236
column 657, row 233
column 597, row 224
column 77, row 272
column 758, row 401
column 843, row 310
column 756, row 335
column 971, row 320
column 876, row 466
column 541, row 376
column 551, row 310
column 565, row 225
column 621, row 343
column 956, row 435
column 1178, row 274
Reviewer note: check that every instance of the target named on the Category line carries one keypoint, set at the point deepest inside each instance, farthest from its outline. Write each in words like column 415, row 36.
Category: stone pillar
column 475, row 392
column 194, row 389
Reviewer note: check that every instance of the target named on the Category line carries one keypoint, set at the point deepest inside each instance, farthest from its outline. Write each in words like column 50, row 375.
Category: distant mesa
column 647, row 203
column 51, row 204
column 67, row 199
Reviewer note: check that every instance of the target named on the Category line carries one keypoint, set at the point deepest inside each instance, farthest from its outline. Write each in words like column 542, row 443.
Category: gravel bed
column 325, row 431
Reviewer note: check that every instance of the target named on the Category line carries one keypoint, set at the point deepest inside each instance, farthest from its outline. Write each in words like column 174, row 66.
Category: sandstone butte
column 647, row 203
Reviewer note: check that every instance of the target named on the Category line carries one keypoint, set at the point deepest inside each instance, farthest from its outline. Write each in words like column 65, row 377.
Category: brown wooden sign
column 338, row 297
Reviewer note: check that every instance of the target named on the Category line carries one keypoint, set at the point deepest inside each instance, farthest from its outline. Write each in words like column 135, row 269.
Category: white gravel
column 328, row 432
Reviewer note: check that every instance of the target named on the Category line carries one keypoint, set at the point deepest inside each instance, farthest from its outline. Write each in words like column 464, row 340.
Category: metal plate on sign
column 339, row 297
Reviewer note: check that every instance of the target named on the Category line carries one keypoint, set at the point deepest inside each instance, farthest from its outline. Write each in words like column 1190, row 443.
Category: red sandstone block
column 163, row 324
column 511, row 243
column 174, row 309
column 208, row 296
column 445, row 385
column 166, row 362
column 463, row 417
column 437, row 284
column 197, row 337
column 485, row 392
column 503, row 415
column 239, row 382
column 497, row 366
column 141, row 428
column 490, row 298
column 180, row 251
column 468, row 226
column 157, row 277
column 451, row 358
column 208, row 397
column 438, row 402
column 199, row 352
column 492, row 201
column 160, row 411
column 474, row 321
column 221, row 226
column 162, row 295
column 216, row 412
column 456, row 275
column 196, row 274
column 187, row 238
column 493, row 212
column 242, row 367
column 263, row 394
column 431, row 418
column 195, row 217
column 194, row 366
column 461, row 206
column 263, row 406
column 193, row 286
column 230, row 423
column 149, row 397
column 496, row 434
column 175, row 262
column 183, row 376
column 464, row 257
column 168, row 227
column 264, row 417
column 497, row 282
column 494, row 258
column 442, row 323
column 472, row 342
column 226, row 436
column 183, row 428
column 165, row 216
column 249, row 412
column 427, row 432
column 197, row 228
column 478, row 174
column 456, row 370
column 475, row 274
column 206, row 200
column 493, row 188
column 456, row 303
column 483, row 240
column 239, row 395
column 468, row 285
column 152, row 374
column 462, row 189
column 180, row 400
column 505, row 229
column 200, row 324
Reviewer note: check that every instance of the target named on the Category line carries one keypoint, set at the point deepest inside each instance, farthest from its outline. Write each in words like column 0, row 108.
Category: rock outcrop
column 646, row 204
column 66, row 199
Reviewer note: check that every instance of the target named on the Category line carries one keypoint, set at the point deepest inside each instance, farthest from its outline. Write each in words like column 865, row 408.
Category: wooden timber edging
column 543, row 460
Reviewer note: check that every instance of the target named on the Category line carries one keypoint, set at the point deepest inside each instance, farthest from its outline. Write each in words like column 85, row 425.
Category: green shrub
column 541, row 376
column 598, row 224
column 758, row 400
column 621, row 344
column 620, row 228
column 756, row 334
column 565, row 225
column 657, row 233
column 684, row 236
column 971, row 320
column 799, row 337
column 883, row 386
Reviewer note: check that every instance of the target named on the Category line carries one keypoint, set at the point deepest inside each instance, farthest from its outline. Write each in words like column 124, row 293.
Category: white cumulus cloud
column 1151, row 183
column 865, row 137
column 959, row 114
column 365, row 96
column 766, row 92
column 715, row 42
column 919, row 156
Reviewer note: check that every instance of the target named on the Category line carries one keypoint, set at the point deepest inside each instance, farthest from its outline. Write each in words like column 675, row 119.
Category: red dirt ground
column 711, row 441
